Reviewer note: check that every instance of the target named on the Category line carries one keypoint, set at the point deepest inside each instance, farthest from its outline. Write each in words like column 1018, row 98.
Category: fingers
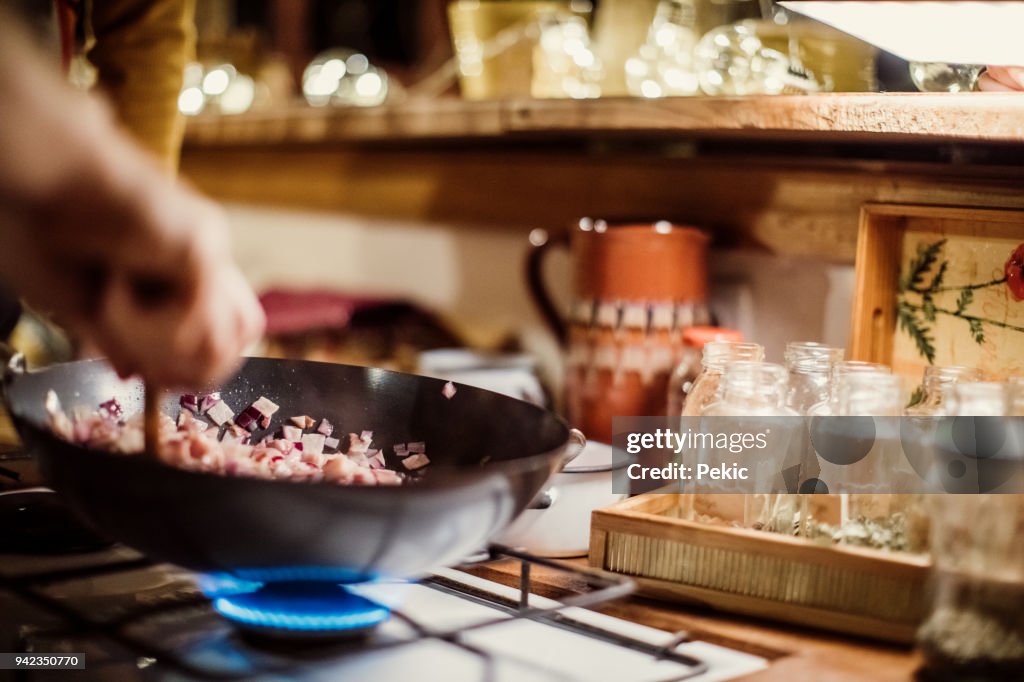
column 1002, row 79
column 188, row 343
column 196, row 336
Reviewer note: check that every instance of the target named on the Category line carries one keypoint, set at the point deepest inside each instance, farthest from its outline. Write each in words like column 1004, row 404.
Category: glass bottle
column 810, row 366
column 663, row 66
column 751, row 387
column 822, row 515
column 976, row 399
column 925, row 417
column 974, row 630
column 839, row 371
column 1015, row 388
column 868, row 394
column 717, row 354
column 869, row 516
column 705, row 389
column 935, row 380
column 758, row 389
column 689, row 367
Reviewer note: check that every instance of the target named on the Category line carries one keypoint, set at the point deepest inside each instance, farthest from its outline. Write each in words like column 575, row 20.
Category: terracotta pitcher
column 636, row 288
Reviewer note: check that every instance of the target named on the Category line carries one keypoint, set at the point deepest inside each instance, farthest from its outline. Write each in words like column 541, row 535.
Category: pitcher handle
column 542, row 244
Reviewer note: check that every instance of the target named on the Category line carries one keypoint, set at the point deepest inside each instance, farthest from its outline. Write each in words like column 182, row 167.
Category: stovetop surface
column 136, row 620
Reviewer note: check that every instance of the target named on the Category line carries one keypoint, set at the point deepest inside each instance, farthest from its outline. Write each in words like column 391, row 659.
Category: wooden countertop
column 847, row 117
column 794, row 654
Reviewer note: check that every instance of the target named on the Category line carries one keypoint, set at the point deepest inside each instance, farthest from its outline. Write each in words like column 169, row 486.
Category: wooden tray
column 853, row 590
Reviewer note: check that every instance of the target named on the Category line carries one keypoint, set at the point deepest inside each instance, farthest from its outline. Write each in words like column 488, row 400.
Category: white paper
column 989, row 33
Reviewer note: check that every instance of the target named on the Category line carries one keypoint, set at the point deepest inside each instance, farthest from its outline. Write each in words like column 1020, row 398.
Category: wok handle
column 577, row 441
column 13, row 362
column 547, row 497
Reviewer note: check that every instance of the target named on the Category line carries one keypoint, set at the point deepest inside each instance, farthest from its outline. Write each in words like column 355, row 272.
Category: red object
column 696, row 337
column 294, row 312
column 1015, row 273
column 67, row 18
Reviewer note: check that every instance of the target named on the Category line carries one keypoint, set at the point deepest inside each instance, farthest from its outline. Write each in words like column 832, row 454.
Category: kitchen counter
column 795, row 653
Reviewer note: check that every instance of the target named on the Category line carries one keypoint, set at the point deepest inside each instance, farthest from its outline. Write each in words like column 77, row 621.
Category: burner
column 302, row 610
column 35, row 522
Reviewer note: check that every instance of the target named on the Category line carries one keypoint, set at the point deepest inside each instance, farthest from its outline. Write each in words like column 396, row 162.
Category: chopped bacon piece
column 190, row 442
column 208, row 401
column 265, row 406
column 111, row 409
column 313, row 443
column 189, row 402
column 220, row 413
column 414, row 462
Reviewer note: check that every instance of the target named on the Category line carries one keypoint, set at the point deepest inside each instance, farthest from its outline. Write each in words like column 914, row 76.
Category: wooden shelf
column 857, row 117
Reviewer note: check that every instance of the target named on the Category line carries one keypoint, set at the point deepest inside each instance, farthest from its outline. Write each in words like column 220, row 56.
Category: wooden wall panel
column 806, row 207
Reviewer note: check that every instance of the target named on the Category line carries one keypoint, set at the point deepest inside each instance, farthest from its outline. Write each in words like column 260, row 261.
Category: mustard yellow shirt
column 139, row 49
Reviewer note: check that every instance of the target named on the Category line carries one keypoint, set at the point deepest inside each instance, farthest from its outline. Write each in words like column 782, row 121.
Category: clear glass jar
column 706, row 389
column 821, row 516
column 869, row 394
column 717, row 354
column 867, row 516
column 839, row 372
column 663, row 65
column 1015, row 388
column 684, row 375
column 778, row 56
column 751, row 387
column 810, row 367
column 935, row 380
column 977, row 399
column 758, row 389
column 975, row 627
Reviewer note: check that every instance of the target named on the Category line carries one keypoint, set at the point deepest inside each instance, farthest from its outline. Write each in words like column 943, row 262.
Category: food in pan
column 209, row 436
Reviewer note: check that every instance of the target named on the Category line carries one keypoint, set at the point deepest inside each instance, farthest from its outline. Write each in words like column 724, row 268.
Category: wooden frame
column 879, row 258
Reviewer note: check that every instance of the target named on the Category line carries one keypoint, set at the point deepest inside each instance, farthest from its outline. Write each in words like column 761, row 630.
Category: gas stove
column 130, row 618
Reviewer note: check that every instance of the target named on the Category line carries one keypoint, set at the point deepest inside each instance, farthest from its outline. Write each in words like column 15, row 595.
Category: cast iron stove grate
column 168, row 630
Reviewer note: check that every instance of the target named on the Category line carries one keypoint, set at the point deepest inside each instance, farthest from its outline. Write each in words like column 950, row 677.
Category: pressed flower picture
column 939, row 285
column 960, row 301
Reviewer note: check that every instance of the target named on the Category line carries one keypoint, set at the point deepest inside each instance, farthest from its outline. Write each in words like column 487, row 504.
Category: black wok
column 490, row 455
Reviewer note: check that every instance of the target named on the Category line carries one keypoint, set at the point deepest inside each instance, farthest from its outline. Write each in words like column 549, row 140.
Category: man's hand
column 94, row 232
